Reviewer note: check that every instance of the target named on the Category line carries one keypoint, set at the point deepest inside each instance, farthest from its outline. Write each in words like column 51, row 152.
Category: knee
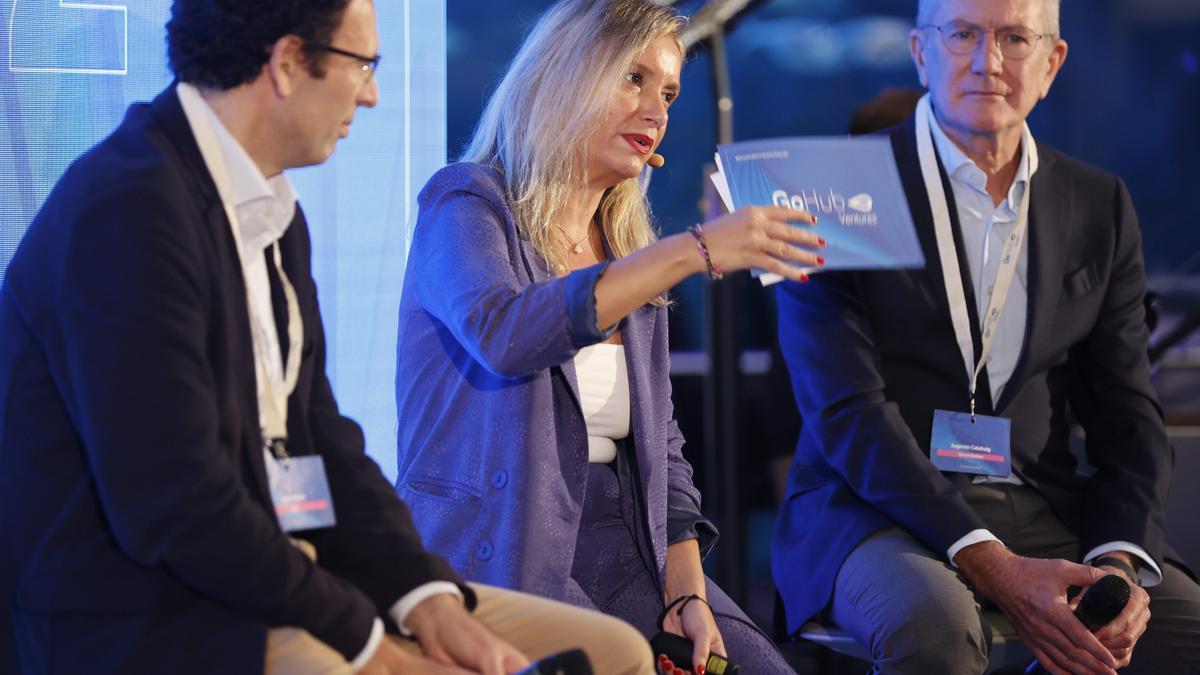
column 935, row 637
column 617, row 647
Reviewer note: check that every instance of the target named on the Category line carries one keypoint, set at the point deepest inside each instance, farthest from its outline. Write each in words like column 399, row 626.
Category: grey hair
column 1050, row 10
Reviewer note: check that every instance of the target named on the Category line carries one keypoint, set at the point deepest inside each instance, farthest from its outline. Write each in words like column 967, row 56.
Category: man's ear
column 286, row 65
column 1055, row 60
column 916, row 47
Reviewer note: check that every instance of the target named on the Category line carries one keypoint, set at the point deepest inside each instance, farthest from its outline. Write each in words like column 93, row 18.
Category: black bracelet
column 684, row 599
column 1109, row 561
column 714, row 272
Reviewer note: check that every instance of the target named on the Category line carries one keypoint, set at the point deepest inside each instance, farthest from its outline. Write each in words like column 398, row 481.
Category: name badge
column 965, row 445
column 300, row 492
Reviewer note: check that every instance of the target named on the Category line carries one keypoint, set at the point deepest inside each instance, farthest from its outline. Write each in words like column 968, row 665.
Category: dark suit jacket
column 138, row 531
column 872, row 354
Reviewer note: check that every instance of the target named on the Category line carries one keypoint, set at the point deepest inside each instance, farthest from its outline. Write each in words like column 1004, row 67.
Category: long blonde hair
column 536, row 125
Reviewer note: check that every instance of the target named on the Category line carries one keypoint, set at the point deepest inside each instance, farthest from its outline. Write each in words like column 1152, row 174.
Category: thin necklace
column 576, row 246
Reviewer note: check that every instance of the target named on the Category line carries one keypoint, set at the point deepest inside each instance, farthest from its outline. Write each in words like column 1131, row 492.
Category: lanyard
column 948, row 255
column 273, row 385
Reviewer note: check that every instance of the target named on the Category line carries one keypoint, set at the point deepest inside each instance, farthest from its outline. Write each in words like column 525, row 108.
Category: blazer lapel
column 168, row 112
column 637, row 333
column 539, row 271
column 904, row 146
column 1050, row 217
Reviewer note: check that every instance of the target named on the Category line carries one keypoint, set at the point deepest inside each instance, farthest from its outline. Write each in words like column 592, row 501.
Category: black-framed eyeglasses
column 960, row 37
column 369, row 63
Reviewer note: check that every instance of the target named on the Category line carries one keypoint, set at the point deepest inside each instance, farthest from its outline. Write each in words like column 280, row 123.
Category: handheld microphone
column 1103, row 602
column 572, row 662
column 679, row 650
column 657, row 161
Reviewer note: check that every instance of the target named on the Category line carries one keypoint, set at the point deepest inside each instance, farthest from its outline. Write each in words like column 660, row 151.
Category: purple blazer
column 492, row 444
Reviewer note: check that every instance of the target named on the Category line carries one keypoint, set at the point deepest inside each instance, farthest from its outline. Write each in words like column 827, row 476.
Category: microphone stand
column 722, row 475
column 723, row 380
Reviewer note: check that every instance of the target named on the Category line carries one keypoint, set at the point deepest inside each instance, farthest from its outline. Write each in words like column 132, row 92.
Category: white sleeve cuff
column 1149, row 574
column 373, row 642
column 416, row 596
column 972, row 537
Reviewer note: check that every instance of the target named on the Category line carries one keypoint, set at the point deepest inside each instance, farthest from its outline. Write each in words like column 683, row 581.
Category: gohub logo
column 861, row 206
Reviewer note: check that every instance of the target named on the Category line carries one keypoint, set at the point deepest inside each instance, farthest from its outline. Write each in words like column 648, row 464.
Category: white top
column 604, row 395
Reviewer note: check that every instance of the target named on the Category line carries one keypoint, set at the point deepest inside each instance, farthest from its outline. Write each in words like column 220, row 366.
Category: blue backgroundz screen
column 68, row 71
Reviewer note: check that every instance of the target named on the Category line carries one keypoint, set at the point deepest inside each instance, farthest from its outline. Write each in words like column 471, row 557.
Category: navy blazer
column 492, row 445
column 138, row 530
column 872, row 354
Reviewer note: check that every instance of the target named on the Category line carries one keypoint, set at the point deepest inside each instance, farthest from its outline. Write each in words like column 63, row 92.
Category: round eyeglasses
column 960, row 37
column 369, row 63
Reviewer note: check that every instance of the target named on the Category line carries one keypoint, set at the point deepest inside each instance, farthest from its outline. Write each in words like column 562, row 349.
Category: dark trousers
column 917, row 616
column 614, row 573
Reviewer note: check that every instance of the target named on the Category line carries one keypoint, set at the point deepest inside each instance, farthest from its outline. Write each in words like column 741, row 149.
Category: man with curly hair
column 181, row 494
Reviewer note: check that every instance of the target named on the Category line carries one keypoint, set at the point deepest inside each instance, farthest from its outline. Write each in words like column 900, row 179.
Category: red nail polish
column 804, row 278
column 814, row 220
column 700, row 669
column 821, row 241
column 820, row 260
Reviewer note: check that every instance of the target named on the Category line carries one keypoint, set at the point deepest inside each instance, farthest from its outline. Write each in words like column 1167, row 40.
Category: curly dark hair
column 224, row 43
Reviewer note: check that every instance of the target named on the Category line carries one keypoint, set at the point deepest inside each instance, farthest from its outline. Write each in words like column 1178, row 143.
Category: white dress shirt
column 984, row 227
column 263, row 209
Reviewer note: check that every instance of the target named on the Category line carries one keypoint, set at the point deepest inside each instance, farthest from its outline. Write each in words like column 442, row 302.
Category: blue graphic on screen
column 69, row 70
column 850, row 184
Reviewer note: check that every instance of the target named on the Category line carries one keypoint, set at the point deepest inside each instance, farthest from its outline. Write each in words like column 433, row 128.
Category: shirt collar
column 959, row 166
column 264, row 207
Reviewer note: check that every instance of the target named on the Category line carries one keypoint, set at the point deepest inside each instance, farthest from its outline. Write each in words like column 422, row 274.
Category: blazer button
column 484, row 550
column 499, row 478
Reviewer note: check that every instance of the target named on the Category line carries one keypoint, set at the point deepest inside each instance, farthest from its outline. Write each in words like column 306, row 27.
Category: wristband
column 1110, row 561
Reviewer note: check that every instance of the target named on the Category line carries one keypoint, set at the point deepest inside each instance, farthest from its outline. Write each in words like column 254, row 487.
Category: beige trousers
column 537, row 627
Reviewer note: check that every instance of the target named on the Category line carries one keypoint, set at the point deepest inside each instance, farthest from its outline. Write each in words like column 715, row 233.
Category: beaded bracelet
column 714, row 272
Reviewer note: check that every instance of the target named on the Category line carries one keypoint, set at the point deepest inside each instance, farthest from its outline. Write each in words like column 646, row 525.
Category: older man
column 167, row 428
column 933, row 472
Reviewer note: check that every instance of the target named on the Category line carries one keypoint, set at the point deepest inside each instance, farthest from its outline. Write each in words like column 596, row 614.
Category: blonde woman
column 537, row 444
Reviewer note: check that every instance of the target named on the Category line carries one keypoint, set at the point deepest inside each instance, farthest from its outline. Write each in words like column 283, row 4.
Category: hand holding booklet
column 850, row 184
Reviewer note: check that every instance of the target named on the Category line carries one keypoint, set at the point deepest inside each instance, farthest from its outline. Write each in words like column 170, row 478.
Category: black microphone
column 1104, row 601
column 572, row 662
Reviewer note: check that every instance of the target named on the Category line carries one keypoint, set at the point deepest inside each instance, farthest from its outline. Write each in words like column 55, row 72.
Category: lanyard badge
column 300, row 492
column 967, row 442
column 299, row 487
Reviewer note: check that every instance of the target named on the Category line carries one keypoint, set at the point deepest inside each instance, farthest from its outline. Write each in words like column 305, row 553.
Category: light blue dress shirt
column 985, row 226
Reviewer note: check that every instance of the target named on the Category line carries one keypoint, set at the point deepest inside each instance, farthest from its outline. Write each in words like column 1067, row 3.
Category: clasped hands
column 1033, row 594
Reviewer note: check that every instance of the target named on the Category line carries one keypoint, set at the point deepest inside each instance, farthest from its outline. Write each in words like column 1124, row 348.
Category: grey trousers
column 917, row 615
